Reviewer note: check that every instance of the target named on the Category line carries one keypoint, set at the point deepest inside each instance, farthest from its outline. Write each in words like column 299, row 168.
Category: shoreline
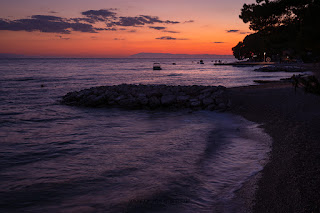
column 289, row 181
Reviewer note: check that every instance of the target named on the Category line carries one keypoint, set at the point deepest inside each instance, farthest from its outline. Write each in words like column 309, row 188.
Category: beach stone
column 229, row 103
column 155, row 93
column 91, row 100
column 129, row 102
column 154, row 102
column 221, row 88
column 111, row 94
column 221, row 106
column 195, row 103
column 206, row 90
column 211, row 107
column 218, row 93
column 86, row 92
column 183, row 98
column 119, row 98
column 168, row 99
column 71, row 96
column 142, row 99
column 150, row 96
column 100, row 98
column 207, row 101
column 202, row 96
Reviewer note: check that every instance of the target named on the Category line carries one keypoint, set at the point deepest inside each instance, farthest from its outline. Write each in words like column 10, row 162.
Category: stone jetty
column 151, row 97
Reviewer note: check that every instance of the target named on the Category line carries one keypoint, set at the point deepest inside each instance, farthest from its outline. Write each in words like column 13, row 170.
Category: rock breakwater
column 282, row 68
column 151, row 97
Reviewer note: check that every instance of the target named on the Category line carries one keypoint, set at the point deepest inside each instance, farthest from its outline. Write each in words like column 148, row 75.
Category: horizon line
column 13, row 55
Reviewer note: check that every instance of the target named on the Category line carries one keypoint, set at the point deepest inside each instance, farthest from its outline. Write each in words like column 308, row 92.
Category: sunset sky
column 119, row 28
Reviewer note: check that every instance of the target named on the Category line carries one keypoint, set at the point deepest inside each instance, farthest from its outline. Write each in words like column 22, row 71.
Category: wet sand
column 290, row 181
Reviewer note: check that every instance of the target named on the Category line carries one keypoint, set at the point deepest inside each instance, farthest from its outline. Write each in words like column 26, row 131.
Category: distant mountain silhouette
column 169, row 55
column 9, row 55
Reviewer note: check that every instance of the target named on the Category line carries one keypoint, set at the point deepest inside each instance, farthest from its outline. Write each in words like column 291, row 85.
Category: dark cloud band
column 99, row 15
column 55, row 24
column 46, row 24
column 237, row 31
column 158, row 28
column 232, row 31
column 139, row 20
column 170, row 38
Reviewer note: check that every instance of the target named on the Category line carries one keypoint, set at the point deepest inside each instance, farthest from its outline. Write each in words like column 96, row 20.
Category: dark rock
column 282, row 68
column 195, row 103
column 221, row 106
column 151, row 96
column 168, row 99
column 119, row 98
column 154, row 102
column 142, row 99
column 211, row 107
column 183, row 98
column 207, row 101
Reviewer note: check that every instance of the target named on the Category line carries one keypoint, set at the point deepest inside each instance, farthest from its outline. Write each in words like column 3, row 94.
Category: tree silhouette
column 282, row 25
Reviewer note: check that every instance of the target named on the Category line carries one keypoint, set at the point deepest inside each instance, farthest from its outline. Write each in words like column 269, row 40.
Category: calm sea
column 56, row 158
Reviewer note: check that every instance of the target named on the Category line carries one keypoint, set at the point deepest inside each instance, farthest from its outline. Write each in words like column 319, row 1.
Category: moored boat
column 156, row 66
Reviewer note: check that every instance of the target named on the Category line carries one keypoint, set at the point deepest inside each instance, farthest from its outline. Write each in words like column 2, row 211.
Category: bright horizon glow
column 202, row 29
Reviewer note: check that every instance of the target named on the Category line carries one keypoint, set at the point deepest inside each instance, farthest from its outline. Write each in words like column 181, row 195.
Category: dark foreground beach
column 290, row 180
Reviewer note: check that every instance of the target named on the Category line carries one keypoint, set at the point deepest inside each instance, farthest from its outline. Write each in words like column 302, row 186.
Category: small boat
column 201, row 62
column 156, row 66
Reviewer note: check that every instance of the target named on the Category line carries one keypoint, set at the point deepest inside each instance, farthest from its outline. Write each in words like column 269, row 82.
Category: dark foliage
column 282, row 25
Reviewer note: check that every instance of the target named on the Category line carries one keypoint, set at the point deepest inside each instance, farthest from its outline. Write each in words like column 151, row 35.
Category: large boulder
column 142, row 99
column 195, row 103
column 208, row 101
column 154, row 102
column 183, row 99
column 168, row 99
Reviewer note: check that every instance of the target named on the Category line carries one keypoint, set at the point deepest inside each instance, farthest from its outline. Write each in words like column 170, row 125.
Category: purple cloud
column 47, row 18
column 237, row 31
column 99, row 15
column 86, row 23
column 158, row 28
column 171, row 22
column 190, row 21
column 170, row 38
column 63, row 38
column 46, row 24
column 170, row 31
column 138, row 21
column 80, row 20
column 106, row 29
column 232, row 31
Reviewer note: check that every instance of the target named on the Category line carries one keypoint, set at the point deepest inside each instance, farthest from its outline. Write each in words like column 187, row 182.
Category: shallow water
column 58, row 158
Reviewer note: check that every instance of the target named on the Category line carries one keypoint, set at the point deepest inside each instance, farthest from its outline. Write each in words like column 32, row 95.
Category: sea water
column 57, row 158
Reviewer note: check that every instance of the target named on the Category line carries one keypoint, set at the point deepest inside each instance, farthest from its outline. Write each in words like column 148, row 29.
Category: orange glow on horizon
column 201, row 28
column 36, row 44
